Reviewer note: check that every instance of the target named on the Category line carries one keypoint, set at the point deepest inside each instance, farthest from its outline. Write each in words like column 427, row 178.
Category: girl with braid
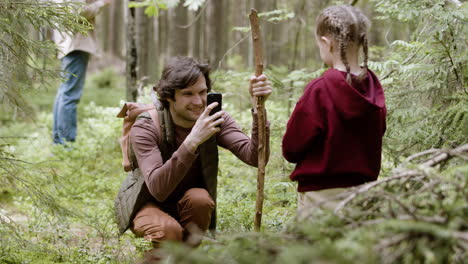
column 334, row 136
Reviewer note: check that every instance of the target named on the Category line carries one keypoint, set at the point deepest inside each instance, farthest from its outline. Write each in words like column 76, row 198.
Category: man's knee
column 198, row 198
column 159, row 232
column 155, row 225
column 173, row 231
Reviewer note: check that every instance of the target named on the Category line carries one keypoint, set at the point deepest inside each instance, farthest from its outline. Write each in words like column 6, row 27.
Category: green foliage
column 277, row 15
column 81, row 182
column 20, row 55
column 274, row 16
column 152, row 7
column 106, row 79
column 417, row 218
column 425, row 77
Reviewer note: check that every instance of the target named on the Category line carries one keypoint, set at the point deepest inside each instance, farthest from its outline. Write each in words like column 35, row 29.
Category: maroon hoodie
column 335, row 133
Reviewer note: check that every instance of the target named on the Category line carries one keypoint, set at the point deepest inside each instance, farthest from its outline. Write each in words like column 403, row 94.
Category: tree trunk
column 178, row 36
column 154, row 51
column 131, row 72
column 195, row 32
column 163, row 28
column 215, row 32
column 273, row 40
column 241, row 21
column 142, row 36
column 115, row 29
column 103, row 29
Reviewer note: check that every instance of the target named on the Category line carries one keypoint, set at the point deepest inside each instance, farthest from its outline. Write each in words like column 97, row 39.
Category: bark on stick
column 261, row 115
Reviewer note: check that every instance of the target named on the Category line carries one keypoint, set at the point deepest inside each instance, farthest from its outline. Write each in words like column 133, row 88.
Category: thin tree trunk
column 154, row 64
column 274, row 37
column 163, row 26
column 292, row 66
column 195, row 32
column 142, row 31
column 215, row 32
column 178, row 37
column 103, row 29
column 242, row 22
column 116, row 26
column 131, row 60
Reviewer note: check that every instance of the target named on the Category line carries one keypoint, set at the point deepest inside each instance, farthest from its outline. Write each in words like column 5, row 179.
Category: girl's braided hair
column 346, row 24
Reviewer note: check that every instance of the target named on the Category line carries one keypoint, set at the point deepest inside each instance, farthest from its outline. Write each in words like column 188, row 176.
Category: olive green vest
column 133, row 193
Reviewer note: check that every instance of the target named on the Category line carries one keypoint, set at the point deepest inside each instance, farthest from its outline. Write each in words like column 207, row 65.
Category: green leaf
column 241, row 29
column 151, row 11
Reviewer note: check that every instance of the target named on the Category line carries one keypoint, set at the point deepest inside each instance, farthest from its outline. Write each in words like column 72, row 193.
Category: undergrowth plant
column 425, row 77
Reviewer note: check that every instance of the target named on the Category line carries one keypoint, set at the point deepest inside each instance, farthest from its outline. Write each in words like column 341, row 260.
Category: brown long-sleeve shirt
column 167, row 182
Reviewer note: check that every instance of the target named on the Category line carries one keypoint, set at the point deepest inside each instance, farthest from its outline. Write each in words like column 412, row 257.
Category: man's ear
column 327, row 42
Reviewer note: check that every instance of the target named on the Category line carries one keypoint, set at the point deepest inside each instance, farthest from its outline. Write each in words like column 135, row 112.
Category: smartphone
column 215, row 97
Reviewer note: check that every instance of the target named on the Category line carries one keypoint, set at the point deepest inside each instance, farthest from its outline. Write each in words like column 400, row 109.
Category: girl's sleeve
column 304, row 126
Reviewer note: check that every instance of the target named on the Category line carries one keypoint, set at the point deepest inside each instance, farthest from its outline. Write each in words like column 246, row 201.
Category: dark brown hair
column 346, row 25
column 179, row 73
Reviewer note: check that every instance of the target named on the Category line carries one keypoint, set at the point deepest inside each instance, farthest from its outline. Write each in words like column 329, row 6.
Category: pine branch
column 434, row 160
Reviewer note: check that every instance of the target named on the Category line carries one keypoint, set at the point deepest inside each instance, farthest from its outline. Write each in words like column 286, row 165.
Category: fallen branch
column 434, row 160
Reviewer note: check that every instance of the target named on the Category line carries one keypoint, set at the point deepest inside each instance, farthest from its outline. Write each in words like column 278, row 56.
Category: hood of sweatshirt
column 354, row 100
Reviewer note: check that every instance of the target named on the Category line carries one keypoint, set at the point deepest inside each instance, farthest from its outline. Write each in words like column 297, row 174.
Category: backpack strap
column 154, row 116
column 164, row 128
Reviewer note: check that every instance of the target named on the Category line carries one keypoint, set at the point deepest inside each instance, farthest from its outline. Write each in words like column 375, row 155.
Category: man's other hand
column 260, row 86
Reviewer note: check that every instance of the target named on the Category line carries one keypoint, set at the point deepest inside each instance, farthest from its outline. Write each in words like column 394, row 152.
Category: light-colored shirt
column 67, row 42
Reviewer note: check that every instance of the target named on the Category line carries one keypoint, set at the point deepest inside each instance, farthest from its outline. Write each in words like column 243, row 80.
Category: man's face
column 189, row 103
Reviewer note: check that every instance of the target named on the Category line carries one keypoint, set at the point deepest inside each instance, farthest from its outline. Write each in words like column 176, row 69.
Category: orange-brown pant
column 193, row 213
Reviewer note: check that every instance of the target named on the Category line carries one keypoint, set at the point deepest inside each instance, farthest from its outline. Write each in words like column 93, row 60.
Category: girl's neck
column 352, row 62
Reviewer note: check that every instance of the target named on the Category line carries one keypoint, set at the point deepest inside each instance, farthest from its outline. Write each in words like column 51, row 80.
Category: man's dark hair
column 179, row 73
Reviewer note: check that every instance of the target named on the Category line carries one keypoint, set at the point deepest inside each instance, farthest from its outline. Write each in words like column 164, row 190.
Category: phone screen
column 215, row 97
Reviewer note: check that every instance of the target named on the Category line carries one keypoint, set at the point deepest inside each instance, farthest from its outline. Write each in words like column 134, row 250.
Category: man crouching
column 179, row 159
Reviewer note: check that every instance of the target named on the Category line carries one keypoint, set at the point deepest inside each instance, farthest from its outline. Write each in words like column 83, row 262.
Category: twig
column 368, row 186
column 396, row 239
column 417, row 155
column 434, row 219
column 402, row 205
column 194, row 20
column 403, row 63
column 445, row 155
column 230, row 49
column 454, row 67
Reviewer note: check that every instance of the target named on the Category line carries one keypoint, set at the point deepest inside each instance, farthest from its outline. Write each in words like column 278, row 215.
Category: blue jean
column 68, row 96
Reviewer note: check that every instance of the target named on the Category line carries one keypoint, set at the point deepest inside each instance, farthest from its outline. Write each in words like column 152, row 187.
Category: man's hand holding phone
column 215, row 97
column 207, row 124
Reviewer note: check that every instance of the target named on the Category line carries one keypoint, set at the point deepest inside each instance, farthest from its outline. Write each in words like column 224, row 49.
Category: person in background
column 74, row 52
column 334, row 135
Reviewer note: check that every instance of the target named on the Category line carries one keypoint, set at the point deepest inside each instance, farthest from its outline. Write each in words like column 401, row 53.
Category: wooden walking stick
column 261, row 115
